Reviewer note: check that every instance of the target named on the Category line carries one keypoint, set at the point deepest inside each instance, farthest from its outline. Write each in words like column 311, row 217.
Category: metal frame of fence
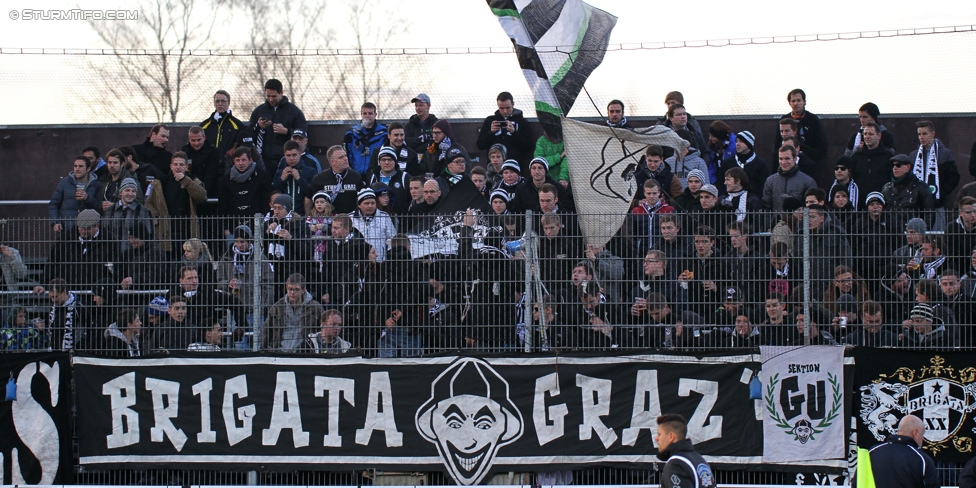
column 527, row 254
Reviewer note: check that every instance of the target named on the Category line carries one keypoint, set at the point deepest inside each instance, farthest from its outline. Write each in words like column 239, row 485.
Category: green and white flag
column 558, row 44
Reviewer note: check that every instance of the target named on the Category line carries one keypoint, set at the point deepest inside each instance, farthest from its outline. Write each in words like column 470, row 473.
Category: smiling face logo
column 469, row 416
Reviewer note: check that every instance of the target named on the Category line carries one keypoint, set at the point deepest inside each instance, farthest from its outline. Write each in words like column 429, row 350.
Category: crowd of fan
column 710, row 255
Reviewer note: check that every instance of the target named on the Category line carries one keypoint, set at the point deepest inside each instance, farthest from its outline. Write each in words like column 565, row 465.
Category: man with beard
column 75, row 193
column 615, row 115
column 111, row 181
column 273, row 122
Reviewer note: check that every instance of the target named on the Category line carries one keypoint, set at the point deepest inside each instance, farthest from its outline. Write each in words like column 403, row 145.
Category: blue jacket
column 360, row 143
column 64, row 208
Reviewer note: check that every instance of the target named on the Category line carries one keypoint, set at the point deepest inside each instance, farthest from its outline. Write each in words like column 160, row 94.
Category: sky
column 904, row 74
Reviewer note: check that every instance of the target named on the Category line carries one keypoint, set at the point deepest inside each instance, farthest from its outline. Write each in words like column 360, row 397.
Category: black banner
column 937, row 387
column 466, row 415
column 35, row 419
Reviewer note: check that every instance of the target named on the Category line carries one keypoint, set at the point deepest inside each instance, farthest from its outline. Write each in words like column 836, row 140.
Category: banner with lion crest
column 803, row 405
column 937, row 387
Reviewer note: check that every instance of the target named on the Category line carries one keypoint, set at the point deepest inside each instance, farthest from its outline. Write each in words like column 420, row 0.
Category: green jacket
column 552, row 151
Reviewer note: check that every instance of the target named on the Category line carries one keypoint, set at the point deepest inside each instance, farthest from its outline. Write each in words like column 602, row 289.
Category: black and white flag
column 558, row 44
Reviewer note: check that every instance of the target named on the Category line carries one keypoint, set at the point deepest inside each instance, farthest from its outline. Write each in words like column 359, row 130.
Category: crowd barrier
column 446, row 286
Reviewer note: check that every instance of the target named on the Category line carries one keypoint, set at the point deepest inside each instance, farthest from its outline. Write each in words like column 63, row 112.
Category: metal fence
column 679, row 280
column 669, row 280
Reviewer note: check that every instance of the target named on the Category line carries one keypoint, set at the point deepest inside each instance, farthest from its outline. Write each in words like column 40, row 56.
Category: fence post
column 258, row 256
column 806, row 276
column 528, row 298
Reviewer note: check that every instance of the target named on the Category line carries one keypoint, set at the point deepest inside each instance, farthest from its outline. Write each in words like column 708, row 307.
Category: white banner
column 803, row 403
column 602, row 162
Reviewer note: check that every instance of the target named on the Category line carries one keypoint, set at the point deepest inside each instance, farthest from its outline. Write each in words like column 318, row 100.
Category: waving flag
column 602, row 162
column 558, row 44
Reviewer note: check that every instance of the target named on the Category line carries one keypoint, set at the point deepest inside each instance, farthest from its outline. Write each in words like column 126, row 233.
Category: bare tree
column 154, row 54
column 279, row 35
column 367, row 74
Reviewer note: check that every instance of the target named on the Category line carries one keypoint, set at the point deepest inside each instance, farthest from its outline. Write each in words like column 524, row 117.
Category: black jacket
column 518, row 144
column 871, row 170
column 813, row 139
column 226, row 133
column 246, row 198
column 345, row 197
column 685, row 466
column 909, row 197
column 286, row 114
column 899, row 463
column 156, row 156
column 205, row 165
column 755, row 167
column 417, row 132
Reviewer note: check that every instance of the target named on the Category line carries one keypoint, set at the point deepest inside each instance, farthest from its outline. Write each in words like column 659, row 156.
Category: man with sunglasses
column 905, row 194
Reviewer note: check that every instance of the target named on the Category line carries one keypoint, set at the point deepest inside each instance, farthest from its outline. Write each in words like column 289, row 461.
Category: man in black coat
column 273, row 122
column 899, row 462
column 684, row 467
column 507, row 126
column 153, row 149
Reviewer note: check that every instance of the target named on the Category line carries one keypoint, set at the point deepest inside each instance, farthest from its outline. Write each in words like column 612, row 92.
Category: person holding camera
column 507, row 127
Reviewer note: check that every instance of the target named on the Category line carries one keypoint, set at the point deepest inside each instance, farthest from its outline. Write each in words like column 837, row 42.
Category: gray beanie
column 285, row 201
column 917, row 225
column 129, row 183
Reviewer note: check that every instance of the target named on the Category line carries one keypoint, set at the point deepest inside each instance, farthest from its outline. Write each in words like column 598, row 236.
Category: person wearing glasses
column 905, row 194
column 222, row 129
